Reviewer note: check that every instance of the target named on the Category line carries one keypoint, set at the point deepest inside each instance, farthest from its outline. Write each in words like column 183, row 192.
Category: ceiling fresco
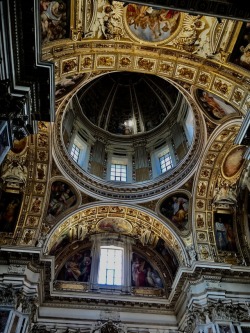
column 241, row 50
column 151, row 25
column 214, row 107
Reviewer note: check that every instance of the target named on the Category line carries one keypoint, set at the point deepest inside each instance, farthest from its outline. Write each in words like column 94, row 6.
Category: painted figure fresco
column 175, row 208
column 150, row 24
column 241, row 52
column 214, row 106
column 64, row 86
column 4, row 315
column 62, row 197
column 117, row 224
column 53, row 20
column 143, row 275
column 163, row 249
column 77, row 267
column 61, row 242
column 224, row 233
column 10, row 204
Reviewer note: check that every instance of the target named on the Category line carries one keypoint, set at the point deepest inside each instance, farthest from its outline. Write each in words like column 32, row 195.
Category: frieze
column 16, row 269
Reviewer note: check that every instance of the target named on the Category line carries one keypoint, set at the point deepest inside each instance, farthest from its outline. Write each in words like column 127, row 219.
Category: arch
column 142, row 220
column 209, row 178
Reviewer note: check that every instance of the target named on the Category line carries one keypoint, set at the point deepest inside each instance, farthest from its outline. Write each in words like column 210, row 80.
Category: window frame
column 119, row 174
column 73, row 151
column 108, row 285
column 165, row 161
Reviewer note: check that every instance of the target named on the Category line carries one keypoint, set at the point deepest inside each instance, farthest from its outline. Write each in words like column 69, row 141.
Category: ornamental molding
column 216, row 310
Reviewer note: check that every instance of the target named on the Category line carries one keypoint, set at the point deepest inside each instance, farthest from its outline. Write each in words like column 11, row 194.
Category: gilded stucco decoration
column 119, row 219
column 29, row 164
column 217, row 184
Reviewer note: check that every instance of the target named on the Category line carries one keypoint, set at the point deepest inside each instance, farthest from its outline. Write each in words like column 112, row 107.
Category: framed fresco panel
column 214, row 106
column 241, row 51
column 55, row 20
column 77, row 267
column 175, row 208
column 10, row 204
column 224, row 233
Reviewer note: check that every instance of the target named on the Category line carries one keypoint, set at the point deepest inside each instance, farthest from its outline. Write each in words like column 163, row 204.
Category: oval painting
column 233, row 161
column 214, row 106
column 151, row 25
column 175, row 208
column 112, row 224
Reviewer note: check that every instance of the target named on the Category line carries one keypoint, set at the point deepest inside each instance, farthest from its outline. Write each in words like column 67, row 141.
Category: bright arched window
column 111, row 266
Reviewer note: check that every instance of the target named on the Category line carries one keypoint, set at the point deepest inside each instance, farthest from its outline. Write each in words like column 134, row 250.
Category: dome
column 126, row 133
column 127, row 103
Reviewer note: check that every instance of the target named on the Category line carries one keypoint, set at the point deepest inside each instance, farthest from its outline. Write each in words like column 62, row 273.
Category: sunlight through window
column 110, row 270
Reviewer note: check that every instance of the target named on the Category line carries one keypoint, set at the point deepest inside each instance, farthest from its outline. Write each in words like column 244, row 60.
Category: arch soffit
column 209, row 174
column 103, row 57
column 141, row 222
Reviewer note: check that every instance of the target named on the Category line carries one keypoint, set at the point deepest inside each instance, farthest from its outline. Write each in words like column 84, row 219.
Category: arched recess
column 138, row 231
column 215, row 196
column 138, row 223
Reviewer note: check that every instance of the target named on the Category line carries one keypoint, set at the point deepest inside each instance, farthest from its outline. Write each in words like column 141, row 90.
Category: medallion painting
column 214, row 106
column 77, row 267
column 118, row 225
column 10, row 204
column 224, row 233
column 151, row 25
column 54, row 20
column 241, row 52
column 175, row 208
column 143, row 274
column 62, row 197
column 233, row 162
